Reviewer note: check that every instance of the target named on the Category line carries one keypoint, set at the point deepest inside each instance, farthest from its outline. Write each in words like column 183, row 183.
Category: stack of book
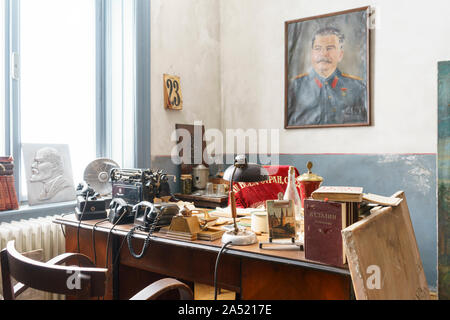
column 210, row 234
column 8, row 196
column 330, row 210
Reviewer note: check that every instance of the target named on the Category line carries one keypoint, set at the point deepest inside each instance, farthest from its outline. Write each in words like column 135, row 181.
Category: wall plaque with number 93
column 172, row 93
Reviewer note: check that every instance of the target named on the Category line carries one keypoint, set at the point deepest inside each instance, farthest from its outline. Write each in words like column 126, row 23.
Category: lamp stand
column 240, row 237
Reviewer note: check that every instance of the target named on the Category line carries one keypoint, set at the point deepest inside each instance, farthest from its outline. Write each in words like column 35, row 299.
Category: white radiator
column 33, row 234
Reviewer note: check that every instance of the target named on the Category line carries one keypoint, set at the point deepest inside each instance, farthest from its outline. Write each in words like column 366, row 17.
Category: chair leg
column 8, row 290
column 161, row 286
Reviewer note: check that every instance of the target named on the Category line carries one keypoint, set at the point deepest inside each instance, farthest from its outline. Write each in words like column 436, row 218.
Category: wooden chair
column 83, row 281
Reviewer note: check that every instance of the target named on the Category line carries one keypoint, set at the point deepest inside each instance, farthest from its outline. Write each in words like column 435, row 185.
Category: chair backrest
column 70, row 280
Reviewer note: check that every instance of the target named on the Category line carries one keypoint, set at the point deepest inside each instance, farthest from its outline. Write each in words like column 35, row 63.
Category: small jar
column 186, row 183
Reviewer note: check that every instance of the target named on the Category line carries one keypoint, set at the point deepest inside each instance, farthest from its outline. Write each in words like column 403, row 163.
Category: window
column 120, row 46
column 58, row 78
column 2, row 77
column 75, row 83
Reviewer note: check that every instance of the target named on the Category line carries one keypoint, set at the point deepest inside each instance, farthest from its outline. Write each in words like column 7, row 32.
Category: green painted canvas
column 443, row 180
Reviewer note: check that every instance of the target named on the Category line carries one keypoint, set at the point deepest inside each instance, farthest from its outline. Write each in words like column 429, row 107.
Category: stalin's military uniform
column 338, row 99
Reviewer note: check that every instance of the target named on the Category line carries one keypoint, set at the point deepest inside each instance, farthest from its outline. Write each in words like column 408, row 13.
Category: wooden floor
column 204, row 292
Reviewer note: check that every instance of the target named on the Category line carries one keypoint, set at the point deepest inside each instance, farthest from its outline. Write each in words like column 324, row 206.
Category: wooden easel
column 385, row 243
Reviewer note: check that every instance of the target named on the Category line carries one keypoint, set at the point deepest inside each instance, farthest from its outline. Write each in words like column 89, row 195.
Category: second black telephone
column 146, row 212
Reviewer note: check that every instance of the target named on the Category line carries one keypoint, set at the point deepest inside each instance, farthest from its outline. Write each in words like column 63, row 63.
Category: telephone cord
column 147, row 239
column 109, row 234
column 216, row 267
column 93, row 239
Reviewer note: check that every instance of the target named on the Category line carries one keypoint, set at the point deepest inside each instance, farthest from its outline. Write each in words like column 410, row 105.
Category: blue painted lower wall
column 382, row 174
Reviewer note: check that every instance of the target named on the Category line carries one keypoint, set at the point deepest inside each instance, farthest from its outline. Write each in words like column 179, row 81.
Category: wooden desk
column 251, row 272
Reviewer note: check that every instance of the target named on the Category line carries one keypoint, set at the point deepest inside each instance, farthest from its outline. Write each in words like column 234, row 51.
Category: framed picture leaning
column 327, row 70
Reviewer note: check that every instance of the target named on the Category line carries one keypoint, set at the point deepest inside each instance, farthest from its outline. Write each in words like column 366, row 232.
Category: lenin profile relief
column 48, row 173
column 327, row 70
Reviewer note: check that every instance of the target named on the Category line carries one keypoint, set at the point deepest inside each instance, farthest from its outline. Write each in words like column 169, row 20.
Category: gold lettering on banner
column 238, row 186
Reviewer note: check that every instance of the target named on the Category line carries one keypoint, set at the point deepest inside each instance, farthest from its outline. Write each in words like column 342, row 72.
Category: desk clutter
column 307, row 216
column 142, row 197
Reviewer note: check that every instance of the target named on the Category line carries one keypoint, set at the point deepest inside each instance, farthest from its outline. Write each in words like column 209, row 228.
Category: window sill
column 26, row 212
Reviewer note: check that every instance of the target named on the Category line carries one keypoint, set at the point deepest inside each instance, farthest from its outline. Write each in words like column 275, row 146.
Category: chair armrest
column 157, row 288
column 83, row 260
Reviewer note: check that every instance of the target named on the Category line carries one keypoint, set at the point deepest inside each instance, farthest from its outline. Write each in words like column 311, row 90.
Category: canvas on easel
column 383, row 256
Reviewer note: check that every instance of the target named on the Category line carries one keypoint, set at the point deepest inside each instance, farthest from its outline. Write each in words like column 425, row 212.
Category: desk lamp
column 241, row 171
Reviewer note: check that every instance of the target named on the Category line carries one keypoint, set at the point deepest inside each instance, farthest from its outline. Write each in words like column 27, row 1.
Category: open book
column 384, row 201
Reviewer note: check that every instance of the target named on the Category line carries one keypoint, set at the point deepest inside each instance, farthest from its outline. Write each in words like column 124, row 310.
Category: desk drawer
column 190, row 264
column 262, row 280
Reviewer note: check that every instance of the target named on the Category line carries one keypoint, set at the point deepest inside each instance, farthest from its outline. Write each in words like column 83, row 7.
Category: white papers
column 226, row 212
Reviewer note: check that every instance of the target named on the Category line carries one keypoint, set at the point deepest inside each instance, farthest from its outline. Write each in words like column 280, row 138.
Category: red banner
column 255, row 194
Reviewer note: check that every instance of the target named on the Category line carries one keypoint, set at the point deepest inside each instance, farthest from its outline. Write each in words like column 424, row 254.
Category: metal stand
column 281, row 245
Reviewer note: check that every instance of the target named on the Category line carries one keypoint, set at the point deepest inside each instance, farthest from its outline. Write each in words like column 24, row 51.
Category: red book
column 3, row 193
column 7, row 159
column 324, row 221
column 7, row 196
column 6, row 166
column 12, row 193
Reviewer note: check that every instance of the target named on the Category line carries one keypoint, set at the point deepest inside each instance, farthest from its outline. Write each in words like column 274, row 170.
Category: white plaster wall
column 409, row 39
column 184, row 42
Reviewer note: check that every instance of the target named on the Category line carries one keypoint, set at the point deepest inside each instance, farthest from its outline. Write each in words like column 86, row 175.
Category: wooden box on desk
column 324, row 221
column 202, row 201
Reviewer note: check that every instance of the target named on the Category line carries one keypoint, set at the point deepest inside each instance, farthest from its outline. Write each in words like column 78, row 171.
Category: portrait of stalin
column 326, row 95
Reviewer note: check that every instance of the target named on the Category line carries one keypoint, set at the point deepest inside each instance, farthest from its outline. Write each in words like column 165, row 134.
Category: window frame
column 141, row 151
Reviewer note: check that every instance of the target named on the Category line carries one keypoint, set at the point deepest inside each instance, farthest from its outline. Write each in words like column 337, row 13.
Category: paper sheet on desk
column 220, row 220
column 226, row 212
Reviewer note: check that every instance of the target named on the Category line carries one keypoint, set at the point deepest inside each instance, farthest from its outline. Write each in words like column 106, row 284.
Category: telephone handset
column 120, row 212
column 147, row 217
column 145, row 214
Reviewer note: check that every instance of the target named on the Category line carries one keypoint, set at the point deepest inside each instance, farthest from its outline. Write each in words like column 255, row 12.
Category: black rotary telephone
column 120, row 212
column 90, row 205
column 147, row 217
column 146, row 212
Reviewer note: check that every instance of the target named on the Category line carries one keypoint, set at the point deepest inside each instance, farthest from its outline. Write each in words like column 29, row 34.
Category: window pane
column 122, row 81
column 2, row 77
column 116, row 93
column 58, row 76
column 128, row 83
